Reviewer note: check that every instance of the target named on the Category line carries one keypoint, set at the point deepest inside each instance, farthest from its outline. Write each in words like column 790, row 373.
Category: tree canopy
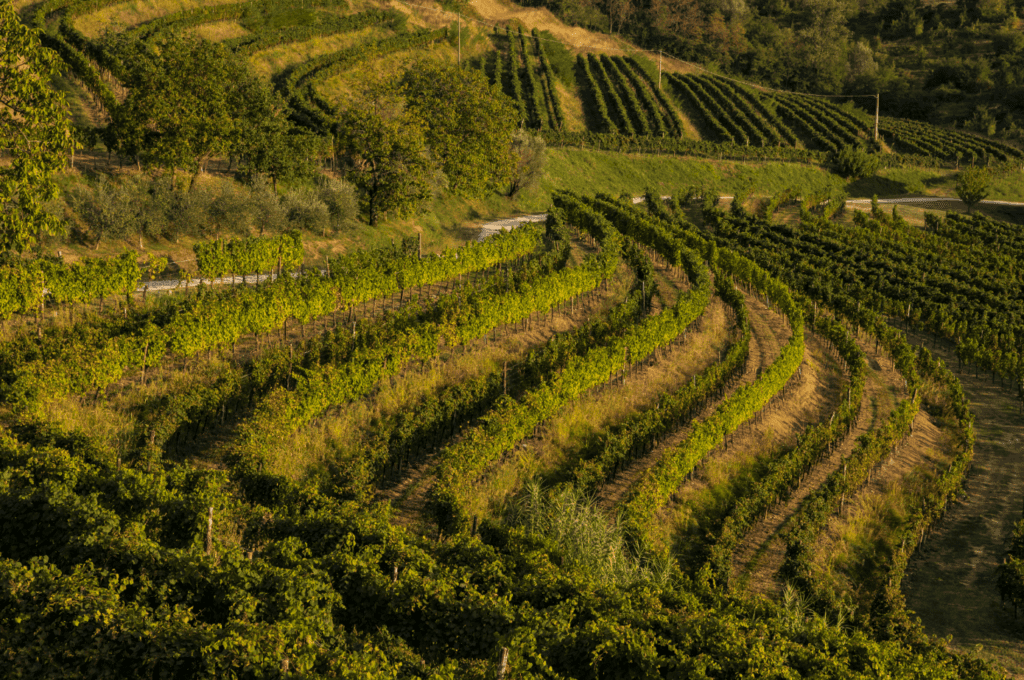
column 973, row 186
column 469, row 125
column 384, row 146
column 34, row 129
column 189, row 100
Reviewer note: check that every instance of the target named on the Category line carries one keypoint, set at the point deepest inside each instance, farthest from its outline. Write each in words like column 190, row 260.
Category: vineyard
column 679, row 436
column 405, row 427
column 626, row 103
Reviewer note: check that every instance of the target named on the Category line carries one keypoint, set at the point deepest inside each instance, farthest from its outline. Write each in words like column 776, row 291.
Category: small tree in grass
column 973, row 186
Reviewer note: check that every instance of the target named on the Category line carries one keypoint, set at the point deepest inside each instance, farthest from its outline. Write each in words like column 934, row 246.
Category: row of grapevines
column 604, row 119
column 647, row 103
column 25, row 286
column 514, row 76
column 820, row 133
column 538, row 107
column 845, row 127
column 784, row 472
column 756, row 107
column 410, row 435
column 284, row 411
column 497, row 72
column 935, row 141
column 553, row 103
column 617, row 79
column 211, row 320
column 248, row 255
column 618, row 109
column 514, row 419
column 297, row 85
column 674, row 122
column 638, row 434
column 930, row 507
column 682, row 147
column 947, row 288
column 711, row 118
column 870, row 451
column 872, row 448
column 170, row 415
column 651, row 491
column 107, row 561
column 328, row 24
column 731, row 108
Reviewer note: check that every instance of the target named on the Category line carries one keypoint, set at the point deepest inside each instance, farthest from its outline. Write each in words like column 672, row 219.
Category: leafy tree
column 269, row 144
column 469, row 125
column 185, row 101
column 384, row 147
column 973, row 186
column 856, row 162
column 34, row 130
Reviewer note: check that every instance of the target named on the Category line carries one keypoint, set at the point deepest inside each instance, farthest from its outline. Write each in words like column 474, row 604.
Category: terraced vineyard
column 745, row 424
column 636, row 440
column 619, row 99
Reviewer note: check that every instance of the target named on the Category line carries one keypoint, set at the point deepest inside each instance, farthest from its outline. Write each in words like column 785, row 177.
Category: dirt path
column 759, row 556
column 769, row 333
column 951, row 582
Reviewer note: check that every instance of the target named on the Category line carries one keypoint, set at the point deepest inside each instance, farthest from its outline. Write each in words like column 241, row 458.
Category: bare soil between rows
column 951, row 581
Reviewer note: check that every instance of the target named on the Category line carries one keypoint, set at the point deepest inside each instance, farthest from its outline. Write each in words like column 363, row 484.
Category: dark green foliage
column 856, row 162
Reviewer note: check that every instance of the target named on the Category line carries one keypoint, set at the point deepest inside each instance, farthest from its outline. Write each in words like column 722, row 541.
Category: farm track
column 764, row 349
column 951, row 581
column 759, row 556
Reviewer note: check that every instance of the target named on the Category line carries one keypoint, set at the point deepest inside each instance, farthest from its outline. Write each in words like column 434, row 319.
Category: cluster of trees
column 437, row 128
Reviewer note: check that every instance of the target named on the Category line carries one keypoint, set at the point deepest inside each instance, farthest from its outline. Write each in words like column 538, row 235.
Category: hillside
column 703, row 416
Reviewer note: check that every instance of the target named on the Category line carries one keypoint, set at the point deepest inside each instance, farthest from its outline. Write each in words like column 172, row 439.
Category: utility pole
column 659, row 69
column 460, row 47
column 878, row 101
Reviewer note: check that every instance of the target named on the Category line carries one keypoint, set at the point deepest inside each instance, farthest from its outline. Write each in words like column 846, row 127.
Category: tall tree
column 973, row 186
column 184, row 99
column 384, row 146
column 34, row 129
column 469, row 125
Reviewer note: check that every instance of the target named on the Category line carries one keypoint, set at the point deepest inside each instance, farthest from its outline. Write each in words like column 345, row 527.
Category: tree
column 384, row 147
column 855, row 162
column 972, row 186
column 34, row 129
column 469, row 125
column 268, row 143
column 528, row 151
column 185, row 97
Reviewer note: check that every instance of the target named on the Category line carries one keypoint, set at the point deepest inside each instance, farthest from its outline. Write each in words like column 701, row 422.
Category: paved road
column 492, row 228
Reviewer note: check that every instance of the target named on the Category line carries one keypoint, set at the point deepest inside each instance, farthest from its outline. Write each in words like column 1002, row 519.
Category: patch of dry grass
column 125, row 15
column 218, row 31
column 276, row 59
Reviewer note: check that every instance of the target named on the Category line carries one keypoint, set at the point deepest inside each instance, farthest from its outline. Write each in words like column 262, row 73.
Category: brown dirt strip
column 811, row 395
column 765, row 347
column 951, row 582
column 760, row 555
column 409, row 495
column 926, row 450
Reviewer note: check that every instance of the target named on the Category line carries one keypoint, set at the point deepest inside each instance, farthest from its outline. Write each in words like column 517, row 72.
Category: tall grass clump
column 570, row 519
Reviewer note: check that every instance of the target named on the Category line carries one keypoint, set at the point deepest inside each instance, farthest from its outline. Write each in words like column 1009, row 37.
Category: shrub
column 856, row 162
